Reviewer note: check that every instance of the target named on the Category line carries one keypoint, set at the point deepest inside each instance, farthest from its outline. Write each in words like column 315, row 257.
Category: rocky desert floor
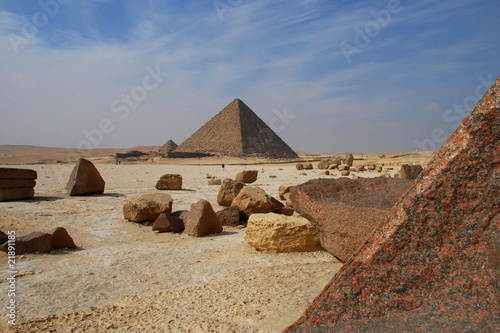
column 126, row 278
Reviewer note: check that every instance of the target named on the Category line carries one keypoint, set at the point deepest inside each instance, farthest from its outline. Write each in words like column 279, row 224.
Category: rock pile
column 17, row 184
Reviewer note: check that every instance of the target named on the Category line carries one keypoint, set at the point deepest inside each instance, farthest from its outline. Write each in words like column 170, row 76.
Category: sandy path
column 127, row 278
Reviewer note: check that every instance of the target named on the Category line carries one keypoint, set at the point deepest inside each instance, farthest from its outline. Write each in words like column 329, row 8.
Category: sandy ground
column 126, row 278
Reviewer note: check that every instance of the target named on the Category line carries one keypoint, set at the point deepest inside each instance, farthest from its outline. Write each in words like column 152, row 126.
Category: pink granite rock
column 346, row 211
column 433, row 266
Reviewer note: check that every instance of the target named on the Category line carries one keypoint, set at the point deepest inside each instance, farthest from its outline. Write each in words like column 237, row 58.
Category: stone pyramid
column 434, row 265
column 237, row 131
column 167, row 148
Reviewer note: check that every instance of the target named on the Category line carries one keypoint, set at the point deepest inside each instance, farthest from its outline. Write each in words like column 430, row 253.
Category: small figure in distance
column 222, row 166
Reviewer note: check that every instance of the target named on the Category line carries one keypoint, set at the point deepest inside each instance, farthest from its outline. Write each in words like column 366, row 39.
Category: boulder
column 85, row 179
column 433, row 266
column 345, row 173
column 61, row 239
column 33, row 242
column 410, row 171
column 348, row 159
column 283, row 189
column 344, row 167
column 253, row 200
column 280, row 233
column 326, row 173
column 333, row 167
column 168, row 223
column 228, row 191
column 17, row 184
column 379, row 169
column 371, row 167
column 169, row 182
column 214, row 181
column 299, row 166
column 359, row 168
column 247, row 176
column 229, row 216
column 308, row 166
column 3, row 237
column 346, row 211
column 181, row 214
column 324, row 164
column 202, row 220
column 147, row 207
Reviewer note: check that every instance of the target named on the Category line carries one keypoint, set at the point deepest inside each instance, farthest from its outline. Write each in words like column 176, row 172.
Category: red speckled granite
column 435, row 265
column 346, row 211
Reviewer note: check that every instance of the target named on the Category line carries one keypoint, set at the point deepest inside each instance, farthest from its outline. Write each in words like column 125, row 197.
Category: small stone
column 62, row 239
column 247, row 176
column 169, row 182
column 214, row 181
column 168, row 223
column 147, row 207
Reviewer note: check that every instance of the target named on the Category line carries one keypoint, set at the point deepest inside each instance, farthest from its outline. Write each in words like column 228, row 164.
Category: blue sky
column 328, row 76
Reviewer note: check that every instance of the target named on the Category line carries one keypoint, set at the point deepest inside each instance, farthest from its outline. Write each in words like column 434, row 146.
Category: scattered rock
column 324, row 164
column 410, row 171
column 247, row 176
column 345, row 173
column 308, row 166
column 333, row 167
column 272, row 176
column 147, row 207
column 229, row 216
column 326, row 173
column 3, row 237
column 302, row 174
column 346, row 211
column 359, row 168
column 371, row 167
column 299, row 166
column 283, row 189
column 17, row 184
column 168, row 223
column 181, row 214
column 85, row 179
column 209, row 176
column 433, row 266
column 284, row 211
column 253, row 200
column 348, row 159
column 379, row 169
column 280, row 233
column 169, row 182
column 214, row 181
column 61, row 239
column 228, row 191
column 202, row 220
column 344, row 167
column 34, row 242
column 276, row 203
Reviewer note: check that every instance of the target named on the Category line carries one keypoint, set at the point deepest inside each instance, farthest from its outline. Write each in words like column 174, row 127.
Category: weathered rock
column 228, row 191
column 345, row 173
column 308, row 166
column 333, row 167
column 33, row 242
column 253, row 200
column 276, row 203
column 348, row 159
column 433, row 266
column 326, row 173
column 359, row 168
column 247, row 176
column 284, row 211
column 324, row 164
column 202, row 220
column 346, row 211
column 280, row 233
column 371, row 167
column 61, row 239
column 283, row 189
column 214, row 181
column 229, row 216
column 85, row 179
column 299, row 166
column 17, row 184
column 181, row 214
column 3, row 237
column 344, row 167
column 410, row 171
column 168, row 223
column 147, row 207
column 169, row 182
column 379, row 169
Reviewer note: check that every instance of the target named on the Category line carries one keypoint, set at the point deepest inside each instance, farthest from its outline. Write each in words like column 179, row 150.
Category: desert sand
column 126, row 278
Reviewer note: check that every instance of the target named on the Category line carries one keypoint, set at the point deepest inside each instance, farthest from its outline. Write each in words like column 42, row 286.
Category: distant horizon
column 385, row 75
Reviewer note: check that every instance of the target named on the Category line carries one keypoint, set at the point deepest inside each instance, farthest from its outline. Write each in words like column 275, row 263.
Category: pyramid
column 167, row 148
column 434, row 265
column 237, row 131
